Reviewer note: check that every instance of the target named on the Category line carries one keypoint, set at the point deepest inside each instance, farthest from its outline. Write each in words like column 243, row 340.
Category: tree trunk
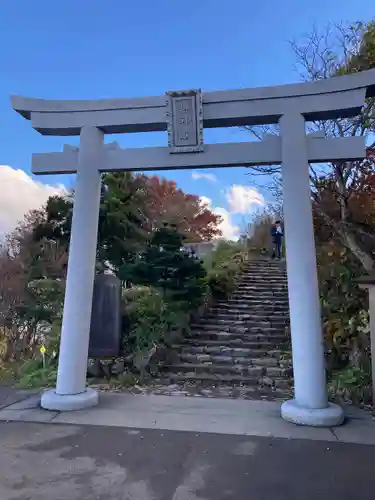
column 365, row 258
column 349, row 241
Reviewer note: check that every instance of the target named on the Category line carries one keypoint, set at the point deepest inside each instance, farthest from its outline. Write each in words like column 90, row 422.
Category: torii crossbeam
column 266, row 152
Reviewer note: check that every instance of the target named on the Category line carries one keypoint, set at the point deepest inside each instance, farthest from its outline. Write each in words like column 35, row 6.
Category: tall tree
column 343, row 50
column 132, row 207
column 348, row 215
column 169, row 204
column 122, row 218
column 57, row 218
column 338, row 51
column 166, row 265
column 121, row 224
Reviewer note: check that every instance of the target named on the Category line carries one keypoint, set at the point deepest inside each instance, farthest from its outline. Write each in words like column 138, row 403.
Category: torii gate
column 184, row 114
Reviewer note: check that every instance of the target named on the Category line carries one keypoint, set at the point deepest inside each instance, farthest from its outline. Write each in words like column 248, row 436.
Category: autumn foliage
column 171, row 205
column 33, row 260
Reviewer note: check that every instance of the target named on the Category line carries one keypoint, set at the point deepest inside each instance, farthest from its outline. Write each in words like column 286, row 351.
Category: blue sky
column 94, row 49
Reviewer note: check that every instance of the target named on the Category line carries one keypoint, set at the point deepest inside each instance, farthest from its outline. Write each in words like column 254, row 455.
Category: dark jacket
column 276, row 236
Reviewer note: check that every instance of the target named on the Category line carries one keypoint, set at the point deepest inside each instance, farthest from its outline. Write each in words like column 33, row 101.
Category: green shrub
column 225, row 265
column 220, row 284
column 150, row 322
column 167, row 266
column 45, row 301
column 345, row 323
column 351, row 385
column 222, row 281
column 225, row 252
column 32, row 374
column 344, row 308
column 135, row 292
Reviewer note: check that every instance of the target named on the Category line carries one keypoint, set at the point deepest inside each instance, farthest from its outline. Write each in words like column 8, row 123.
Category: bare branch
column 337, row 50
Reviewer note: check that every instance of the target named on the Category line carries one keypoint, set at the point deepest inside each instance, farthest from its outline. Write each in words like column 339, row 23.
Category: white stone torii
column 184, row 114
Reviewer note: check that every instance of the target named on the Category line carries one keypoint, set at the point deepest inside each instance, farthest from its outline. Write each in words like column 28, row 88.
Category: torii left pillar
column 71, row 392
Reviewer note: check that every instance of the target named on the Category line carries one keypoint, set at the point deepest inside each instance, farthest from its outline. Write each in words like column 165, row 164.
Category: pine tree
column 167, row 266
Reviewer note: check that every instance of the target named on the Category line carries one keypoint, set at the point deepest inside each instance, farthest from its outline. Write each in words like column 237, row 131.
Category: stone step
column 253, row 270
column 239, row 326
column 253, row 320
column 246, row 331
column 250, row 290
column 234, row 352
column 243, row 315
column 242, row 318
column 265, row 263
column 255, row 292
column 272, row 275
column 244, row 305
column 262, row 281
column 251, row 313
column 229, row 343
column 214, row 379
column 249, row 310
column 223, row 380
column 259, row 293
column 276, row 336
column 209, row 389
column 264, row 293
column 243, row 302
column 263, row 278
column 253, row 372
column 254, row 299
column 254, row 273
column 265, row 327
column 220, row 359
column 247, row 297
column 250, row 375
column 262, row 288
column 264, row 285
column 264, row 269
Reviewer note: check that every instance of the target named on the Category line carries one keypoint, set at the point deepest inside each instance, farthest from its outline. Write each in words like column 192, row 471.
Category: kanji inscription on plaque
column 185, row 121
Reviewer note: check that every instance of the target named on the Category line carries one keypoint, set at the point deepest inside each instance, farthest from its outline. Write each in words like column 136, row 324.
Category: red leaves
column 167, row 203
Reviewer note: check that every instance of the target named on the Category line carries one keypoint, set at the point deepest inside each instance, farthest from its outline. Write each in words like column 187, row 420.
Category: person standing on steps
column 277, row 238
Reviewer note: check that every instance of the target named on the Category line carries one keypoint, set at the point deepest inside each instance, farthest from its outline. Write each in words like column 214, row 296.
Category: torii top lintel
column 336, row 97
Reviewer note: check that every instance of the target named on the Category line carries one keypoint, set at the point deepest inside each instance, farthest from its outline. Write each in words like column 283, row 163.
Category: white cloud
column 20, row 193
column 228, row 229
column 242, row 198
column 201, row 175
column 206, row 201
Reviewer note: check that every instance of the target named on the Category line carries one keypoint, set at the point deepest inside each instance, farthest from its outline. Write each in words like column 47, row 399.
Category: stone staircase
column 240, row 347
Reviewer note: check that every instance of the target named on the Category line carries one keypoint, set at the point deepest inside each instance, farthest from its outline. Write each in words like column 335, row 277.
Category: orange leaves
column 167, row 203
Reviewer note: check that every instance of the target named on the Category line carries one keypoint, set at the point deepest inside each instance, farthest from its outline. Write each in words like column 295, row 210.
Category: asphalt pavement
column 69, row 462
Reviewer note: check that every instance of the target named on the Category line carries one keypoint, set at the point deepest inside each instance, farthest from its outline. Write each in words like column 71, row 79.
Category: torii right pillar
column 310, row 405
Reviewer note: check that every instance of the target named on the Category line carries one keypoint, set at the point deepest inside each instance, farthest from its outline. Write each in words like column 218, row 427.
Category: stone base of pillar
column 57, row 402
column 331, row 416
